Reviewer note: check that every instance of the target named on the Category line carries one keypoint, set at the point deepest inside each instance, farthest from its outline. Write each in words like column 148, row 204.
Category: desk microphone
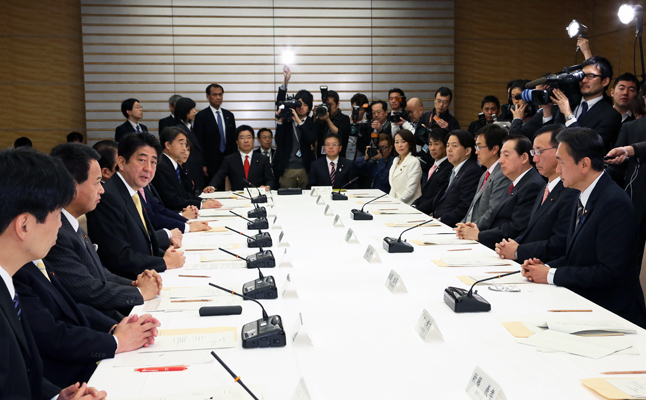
column 360, row 215
column 261, row 288
column 337, row 195
column 257, row 212
column 393, row 245
column 265, row 332
column 261, row 198
column 236, row 378
column 260, row 240
column 291, row 191
column 462, row 301
column 258, row 223
column 262, row 259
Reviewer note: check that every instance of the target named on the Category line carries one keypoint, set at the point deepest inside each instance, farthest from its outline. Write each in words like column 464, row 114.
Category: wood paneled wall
column 41, row 64
column 41, row 71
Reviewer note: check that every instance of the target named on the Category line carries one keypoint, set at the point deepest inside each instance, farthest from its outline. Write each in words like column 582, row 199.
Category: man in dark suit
column 600, row 261
column 546, row 233
column 379, row 115
column 265, row 139
column 170, row 120
column 73, row 258
column 333, row 121
column 510, row 217
column 623, row 92
column 593, row 110
column 131, row 109
column 29, row 225
column 243, row 166
column 439, row 173
column 71, row 338
column 127, row 241
column 452, row 204
column 170, row 181
column 493, row 184
column 489, row 106
column 331, row 170
column 215, row 129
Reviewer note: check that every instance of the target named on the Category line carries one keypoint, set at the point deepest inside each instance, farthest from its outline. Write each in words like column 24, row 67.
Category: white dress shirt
column 134, row 126
column 336, row 164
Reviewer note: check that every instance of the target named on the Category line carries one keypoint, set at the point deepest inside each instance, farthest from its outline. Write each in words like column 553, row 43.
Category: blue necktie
column 16, row 305
column 584, row 109
column 178, row 175
column 223, row 139
column 138, row 129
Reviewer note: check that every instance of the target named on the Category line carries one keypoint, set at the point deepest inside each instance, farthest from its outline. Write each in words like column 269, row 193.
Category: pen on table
column 569, row 310
column 190, row 301
column 498, row 272
column 458, row 249
column 387, row 209
column 193, row 276
column 623, row 372
column 198, row 249
column 410, row 222
column 441, row 233
column 162, row 369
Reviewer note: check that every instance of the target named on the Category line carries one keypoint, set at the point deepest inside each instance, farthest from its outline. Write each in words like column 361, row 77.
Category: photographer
column 360, row 125
column 593, row 111
column 542, row 117
column 294, row 139
column 397, row 101
column 374, row 166
column 380, row 115
column 490, row 106
column 330, row 119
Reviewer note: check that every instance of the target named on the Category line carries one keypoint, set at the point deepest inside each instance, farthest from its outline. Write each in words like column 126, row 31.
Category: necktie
column 266, row 153
column 140, row 210
column 41, row 268
column 579, row 213
column 223, row 139
column 143, row 195
column 179, row 177
column 485, row 181
column 584, row 109
column 510, row 188
column 545, row 194
column 246, row 167
column 138, row 129
column 90, row 249
column 332, row 172
column 451, row 178
column 16, row 305
column 430, row 172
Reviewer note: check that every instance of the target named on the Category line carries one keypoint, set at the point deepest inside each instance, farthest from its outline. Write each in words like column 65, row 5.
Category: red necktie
column 511, row 188
column 246, row 167
column 545, row 194
column 485, row 181
column 430, row 172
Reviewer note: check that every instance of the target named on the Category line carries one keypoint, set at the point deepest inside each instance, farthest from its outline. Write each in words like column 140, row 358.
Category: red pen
column 162, row 369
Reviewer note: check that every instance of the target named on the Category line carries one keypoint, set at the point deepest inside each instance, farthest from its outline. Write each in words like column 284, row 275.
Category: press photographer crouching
column 374, row 166
column 330, row 119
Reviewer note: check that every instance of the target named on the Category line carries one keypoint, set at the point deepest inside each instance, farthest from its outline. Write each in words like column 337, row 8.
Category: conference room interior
column 70, row 67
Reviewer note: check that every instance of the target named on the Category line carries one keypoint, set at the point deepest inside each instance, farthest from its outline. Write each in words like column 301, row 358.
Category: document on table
column 588, row 327
column 573, row 344
column 138, row 359
column 187, row 304
column 206, row 243
column 198, row 292
column 204, row 341
column 393, row 212
column 615, row 389
column 216, row 265
column 443, row 240
column 472, row 262
column 411, row 224
column 218, row 195
column 219, row 393
column 505, row 280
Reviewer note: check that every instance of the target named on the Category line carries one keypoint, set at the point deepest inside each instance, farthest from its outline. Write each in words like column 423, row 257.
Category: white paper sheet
column 446, row 240
column 209, row 242
column 505, row 280
column 199, row 292
column 575, row 344
column 168, row 304
column 216, row 265
column 223, row 393
column 632, row 387
column 206, row 341
column 588, row 327
column 475, row 261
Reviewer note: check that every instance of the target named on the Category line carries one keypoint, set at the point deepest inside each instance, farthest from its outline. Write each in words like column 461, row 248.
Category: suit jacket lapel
column 588, row 209
column 6, row 304
column 132, row 209
column 539, row 209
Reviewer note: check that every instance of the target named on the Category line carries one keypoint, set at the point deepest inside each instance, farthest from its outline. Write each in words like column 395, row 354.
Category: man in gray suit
column 493, row 184
column 74, row 259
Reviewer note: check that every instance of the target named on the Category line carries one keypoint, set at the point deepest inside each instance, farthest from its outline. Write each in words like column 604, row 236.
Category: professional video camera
column 322, row 110
column 567, row 81
column 396, row 115
column 286, row 108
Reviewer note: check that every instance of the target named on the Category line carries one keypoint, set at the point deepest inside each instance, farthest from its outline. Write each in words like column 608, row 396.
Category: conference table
column 355, row 337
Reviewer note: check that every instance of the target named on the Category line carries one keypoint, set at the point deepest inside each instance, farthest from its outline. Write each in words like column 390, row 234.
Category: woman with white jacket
column 406, row 173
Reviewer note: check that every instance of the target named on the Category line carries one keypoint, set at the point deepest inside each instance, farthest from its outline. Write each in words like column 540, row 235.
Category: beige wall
column 41, row 71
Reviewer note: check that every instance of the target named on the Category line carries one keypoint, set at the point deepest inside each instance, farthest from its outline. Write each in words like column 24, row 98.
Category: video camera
column 322, row 110
column 396, row 115
column 286, row 108
column 567, row 81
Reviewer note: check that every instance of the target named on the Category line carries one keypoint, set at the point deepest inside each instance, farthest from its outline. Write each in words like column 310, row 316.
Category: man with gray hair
column 170, row 120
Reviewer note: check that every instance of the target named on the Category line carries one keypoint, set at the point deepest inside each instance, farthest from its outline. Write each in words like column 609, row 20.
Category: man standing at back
column 215, row 128
column 131, row 109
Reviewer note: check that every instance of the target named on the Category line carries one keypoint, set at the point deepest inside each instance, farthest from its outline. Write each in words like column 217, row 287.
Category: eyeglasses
column 331, row 145
column 443, row 102
column 591, row 76
column 538, row 152
column 481, row 147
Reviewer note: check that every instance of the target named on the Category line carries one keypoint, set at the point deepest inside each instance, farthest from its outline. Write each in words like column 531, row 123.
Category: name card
column 285, row 260
column 395, row 282
column 301, row 392
column 281, row 242
column 300, row 332
column 328, row 211
column 350, row 237
column 319, row 200
column 371, row 255
column 288, row 288
column 481, row 386
column 275, row 223
column 337, row 222
column 313, row 193
column 425, row 324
